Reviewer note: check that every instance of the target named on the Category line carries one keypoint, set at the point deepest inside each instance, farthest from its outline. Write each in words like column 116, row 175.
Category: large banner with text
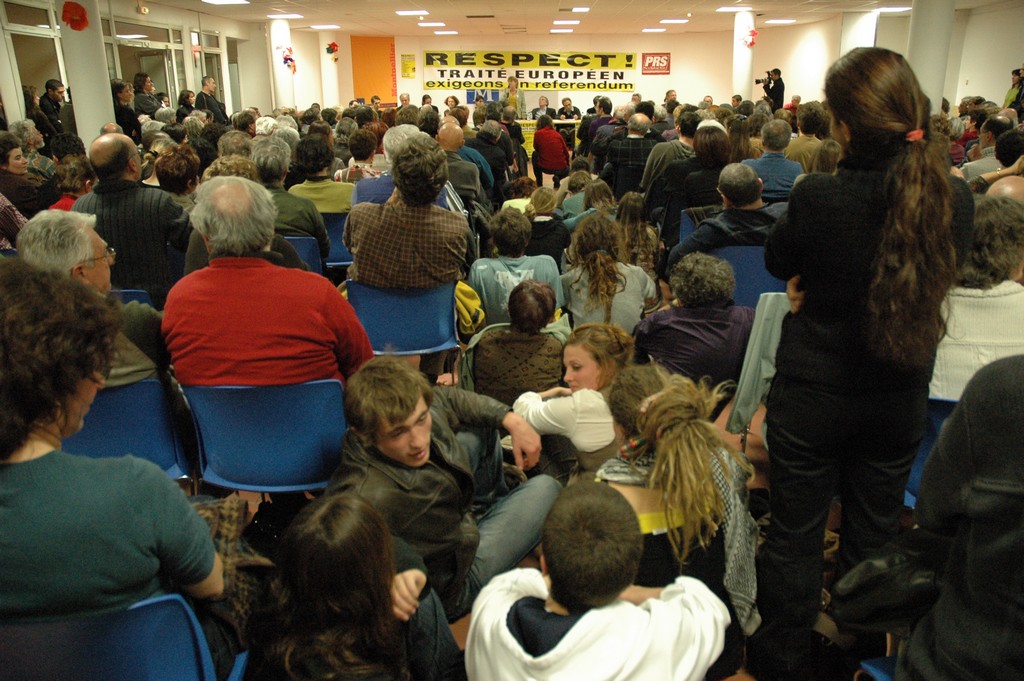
column 561, row 71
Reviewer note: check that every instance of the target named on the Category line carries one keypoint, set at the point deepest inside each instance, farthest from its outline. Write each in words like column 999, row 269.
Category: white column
column 284, row 79
column 742, row 56
column 931, row 31
column 858, row 30
column 86, row 63
column 329, row 68
column 10, row 88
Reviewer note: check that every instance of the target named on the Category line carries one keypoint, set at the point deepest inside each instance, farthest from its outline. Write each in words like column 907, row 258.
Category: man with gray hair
column 627, row 157
column 245, row 321
column 67, row 243
column 234, row 143
column 296, row 215
column 746, row 220
column 31, row 140
column 777, row 172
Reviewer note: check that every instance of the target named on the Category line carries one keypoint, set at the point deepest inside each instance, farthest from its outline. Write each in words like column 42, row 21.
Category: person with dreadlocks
column 688, row 489
column 599, row 286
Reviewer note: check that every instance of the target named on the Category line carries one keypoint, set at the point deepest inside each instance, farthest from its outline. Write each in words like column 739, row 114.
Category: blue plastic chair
column 127, row 295
column 132, row 419
column 752, row 279
column 282, row 438
column 406, row 321
column 878, row 668
column 308, row 250
column 938, row 412
column 158, row 639
column 340, row 255
column 686, row 224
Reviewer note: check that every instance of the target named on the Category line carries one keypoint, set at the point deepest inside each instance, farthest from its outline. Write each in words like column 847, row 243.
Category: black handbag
column 893, row 590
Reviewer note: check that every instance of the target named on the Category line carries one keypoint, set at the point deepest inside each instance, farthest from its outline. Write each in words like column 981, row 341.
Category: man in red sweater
column 550, row 155
column 244, row 320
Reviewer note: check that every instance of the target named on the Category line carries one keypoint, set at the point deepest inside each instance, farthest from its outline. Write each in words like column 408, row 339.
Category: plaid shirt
column 400, row 246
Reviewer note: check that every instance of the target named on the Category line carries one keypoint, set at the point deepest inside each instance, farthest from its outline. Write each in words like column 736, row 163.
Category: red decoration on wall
column 332, row 49
column 288, row 58
column 75, row 16
column 749, row 40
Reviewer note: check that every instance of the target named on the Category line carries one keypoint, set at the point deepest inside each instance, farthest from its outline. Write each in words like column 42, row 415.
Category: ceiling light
column 132, row 36
column 733, row 9
column 430, row 24
column 226, row 2
column 324, row 27
column 893, row 9
column 561, row 30
column 446, row 32
column 653, row 30
column 580, row 9
column 781, row 21
column 566, row 22
column 674, row 21
column 411, row 12
column 284, row 16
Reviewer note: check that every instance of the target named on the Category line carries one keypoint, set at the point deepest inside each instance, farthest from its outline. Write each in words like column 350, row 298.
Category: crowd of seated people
column 598, row 353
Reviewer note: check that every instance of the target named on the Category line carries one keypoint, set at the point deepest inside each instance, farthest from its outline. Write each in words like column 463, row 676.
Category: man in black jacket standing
column 775, row 89
column 205, row 99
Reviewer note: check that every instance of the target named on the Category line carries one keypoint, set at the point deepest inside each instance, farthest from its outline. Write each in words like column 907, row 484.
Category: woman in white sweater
column 593, row 356
column 985, row 312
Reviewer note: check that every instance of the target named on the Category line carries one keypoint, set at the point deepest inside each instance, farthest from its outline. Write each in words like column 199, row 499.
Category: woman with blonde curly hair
column 593, row 356
column 688, row 489
column 598, row 286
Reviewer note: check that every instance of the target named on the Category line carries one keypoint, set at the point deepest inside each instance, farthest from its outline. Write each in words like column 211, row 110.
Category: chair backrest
column 686, row 224
column 406, row 321
column 280, row 438
column 340, row 255
column 752, row 279
column 175, row 264
column 132, row 419
column 158, row 639
column 308, row 250
column 127, row 295
column 938, row 412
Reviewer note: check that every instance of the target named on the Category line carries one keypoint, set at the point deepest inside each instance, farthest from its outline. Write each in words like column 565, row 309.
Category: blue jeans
column 430, row 648
column 509, row 522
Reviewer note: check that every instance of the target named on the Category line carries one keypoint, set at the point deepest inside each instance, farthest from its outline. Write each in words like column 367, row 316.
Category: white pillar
column 86, row 64
column 858, row 30
column 742, row 56
column 10, row 87
column 284, row 79
column 329, row 69
column 931, row 31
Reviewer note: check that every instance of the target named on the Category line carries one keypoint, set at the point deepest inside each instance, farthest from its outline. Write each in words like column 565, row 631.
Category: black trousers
column 822, row 444
column 559, row 173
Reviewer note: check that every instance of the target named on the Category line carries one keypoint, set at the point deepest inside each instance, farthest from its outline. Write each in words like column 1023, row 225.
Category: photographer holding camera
column 774, row 88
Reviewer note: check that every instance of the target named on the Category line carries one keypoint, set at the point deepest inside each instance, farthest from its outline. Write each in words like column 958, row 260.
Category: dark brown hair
column 876, row 94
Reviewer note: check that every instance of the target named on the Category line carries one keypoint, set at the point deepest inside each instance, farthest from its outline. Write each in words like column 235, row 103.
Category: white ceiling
column 535, row 17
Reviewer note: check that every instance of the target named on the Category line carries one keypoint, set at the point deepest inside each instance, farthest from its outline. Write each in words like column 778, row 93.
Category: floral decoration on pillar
column 749, row 39
column 332, row 49
column 288, row 59
column 75, row 16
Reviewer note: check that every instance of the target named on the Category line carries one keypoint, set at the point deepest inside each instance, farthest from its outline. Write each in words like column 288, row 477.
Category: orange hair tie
column 915, row 135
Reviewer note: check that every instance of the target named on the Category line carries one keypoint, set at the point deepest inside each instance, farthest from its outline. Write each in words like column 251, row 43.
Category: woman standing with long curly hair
column 870, row 254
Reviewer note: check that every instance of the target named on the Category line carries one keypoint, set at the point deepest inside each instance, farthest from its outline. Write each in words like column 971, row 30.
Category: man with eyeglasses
column 67, row 243
column 138, row 222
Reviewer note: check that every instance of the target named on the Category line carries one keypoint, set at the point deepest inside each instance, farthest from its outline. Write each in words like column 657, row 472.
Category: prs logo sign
column 656, row 63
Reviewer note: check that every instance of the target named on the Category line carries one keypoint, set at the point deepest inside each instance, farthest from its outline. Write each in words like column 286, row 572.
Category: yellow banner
column 517, row 60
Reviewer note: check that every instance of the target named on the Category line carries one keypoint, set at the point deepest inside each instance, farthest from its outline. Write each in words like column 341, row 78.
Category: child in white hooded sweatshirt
column 581, row 618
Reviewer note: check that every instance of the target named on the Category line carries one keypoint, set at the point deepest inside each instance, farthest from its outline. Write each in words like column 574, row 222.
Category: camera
column 762, row 81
